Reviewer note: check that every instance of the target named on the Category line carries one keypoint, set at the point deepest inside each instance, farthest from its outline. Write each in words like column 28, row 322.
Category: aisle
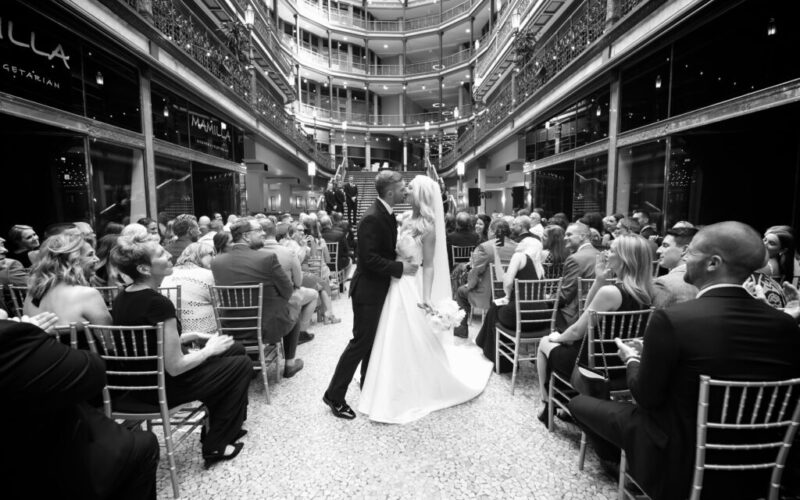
column 491, row 447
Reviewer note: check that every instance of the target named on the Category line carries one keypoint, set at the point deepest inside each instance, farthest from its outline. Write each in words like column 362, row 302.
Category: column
column 296, row 33
column 482, row 187
column 330, row 51
column 405, row 151
column 149, row 154
column 349, row 104
column 330, row 96
column 403, row 105
column 299, row 89
column 375, row 110
column 612, row 13
column 367, row 59
column 367, row 148
column 403, row 59
column 366, row 103
column 440, row 135
column 614, row 202
column 441, row 96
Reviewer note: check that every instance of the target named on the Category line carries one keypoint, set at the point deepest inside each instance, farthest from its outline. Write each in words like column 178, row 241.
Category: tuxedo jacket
column 377, row 238
column 57, row 446
column 725, row 334
column 339, row 198
column 330, row 201
column 351, row 191
column 579, row 265
column 242, row 265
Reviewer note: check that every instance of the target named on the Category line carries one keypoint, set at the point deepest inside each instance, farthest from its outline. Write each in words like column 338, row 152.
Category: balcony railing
column 325, row 114
column 266, row 33
column 583, row 27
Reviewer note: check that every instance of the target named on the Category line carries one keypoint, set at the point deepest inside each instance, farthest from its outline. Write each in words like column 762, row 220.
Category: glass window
column 552, row 189
column 591, row 180
column 214, row 189
column 173, row 187
column 117, row 184
column 640, row 179
column 644, row 91
column 170, row 116
column 112, row 89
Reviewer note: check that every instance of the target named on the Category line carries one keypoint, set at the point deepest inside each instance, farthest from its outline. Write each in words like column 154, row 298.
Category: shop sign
column 38, row 59
column 210, row 135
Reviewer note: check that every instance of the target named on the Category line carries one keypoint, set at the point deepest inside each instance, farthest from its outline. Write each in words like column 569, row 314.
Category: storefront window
column 644, row 91
column 117, row 184
column 214, row 190
column 112, row 89
column 170, row 116
column 640, row 179
column 553, row 188
column 173, row 187
column 591, row 180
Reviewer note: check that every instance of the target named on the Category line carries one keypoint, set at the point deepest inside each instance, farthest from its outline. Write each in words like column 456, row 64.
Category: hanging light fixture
column 166, row 111
column 249, row 16
column 771, row 28
column 599, row 111
column 99, row 79
column 658, row 81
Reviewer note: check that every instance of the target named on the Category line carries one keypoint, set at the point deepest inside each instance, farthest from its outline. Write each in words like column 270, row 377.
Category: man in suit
column 521, row 229
column 303, row 299
column 57, row 445
column 478, row 290
column 339, row 198
column 244, row 264
column 376, row 267
column 672, row 288
column 725, row 334
column 578, row 265
column 351, row 192
column 187, row 230
column 330, row 198
column 463, row 236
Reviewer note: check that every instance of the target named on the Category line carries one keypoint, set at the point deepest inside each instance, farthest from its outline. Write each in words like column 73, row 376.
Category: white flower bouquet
column 445, row 316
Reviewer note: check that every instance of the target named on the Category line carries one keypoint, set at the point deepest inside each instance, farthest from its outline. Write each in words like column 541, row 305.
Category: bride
column 414, row 370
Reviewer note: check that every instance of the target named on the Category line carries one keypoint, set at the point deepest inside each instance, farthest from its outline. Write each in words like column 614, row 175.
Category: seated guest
column 780, row 245
column 217, row 375
column 186, row 231
column 579, row 265
column 303, row 299
column 11, row 271
column 525, row 265
column 193, row 274
column 214, row 227
column 105, row 274
column 335, row 235
column 244, row 264
column 647, row 229
column 627, row 226
column 482, row 222
column 151, row 226
column 537, row 229
column 223, row 242
column 521, row 229
column 59, row 282
column 725, row 334
column 629, row 261
column 87, row 233
column 559, row 219
column 44, row 386
column 321, row 281
column 23, row 240
column 113, row 228
column 554, row 251
column 463, row 236
column 672, row 288
column 204, row 223
column 478, row 290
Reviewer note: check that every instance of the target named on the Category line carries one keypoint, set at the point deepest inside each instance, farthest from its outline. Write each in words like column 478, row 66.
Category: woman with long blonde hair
column 629, row 260
column 59, row 282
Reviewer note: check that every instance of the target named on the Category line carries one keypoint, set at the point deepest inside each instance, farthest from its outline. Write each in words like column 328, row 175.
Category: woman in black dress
column 629, row 259
column 217, row 375
column 525, row 265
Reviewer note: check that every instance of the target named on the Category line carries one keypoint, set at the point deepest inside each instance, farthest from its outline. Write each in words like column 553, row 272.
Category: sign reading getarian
column 38, row 58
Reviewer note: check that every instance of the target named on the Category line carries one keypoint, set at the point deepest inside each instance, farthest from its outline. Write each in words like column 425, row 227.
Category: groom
column 377, row 237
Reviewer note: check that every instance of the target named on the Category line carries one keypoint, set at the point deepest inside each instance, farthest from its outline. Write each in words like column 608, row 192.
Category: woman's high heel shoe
column 219, row 456
column 332, row 320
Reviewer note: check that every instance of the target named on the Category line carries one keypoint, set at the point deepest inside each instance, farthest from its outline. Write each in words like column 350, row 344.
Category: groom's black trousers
column 365, row 324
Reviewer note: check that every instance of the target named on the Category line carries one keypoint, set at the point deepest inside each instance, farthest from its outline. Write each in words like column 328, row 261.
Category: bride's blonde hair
column 425, row 192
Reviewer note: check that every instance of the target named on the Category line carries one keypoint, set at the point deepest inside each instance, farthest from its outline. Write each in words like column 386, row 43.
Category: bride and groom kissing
column 407, row 368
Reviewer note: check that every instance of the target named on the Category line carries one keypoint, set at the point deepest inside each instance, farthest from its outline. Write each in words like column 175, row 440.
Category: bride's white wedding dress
column 412, row 369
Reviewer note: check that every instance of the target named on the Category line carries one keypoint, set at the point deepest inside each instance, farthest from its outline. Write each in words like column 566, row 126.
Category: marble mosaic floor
column 491, row 447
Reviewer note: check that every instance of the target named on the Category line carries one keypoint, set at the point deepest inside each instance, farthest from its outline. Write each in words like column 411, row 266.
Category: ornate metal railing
column 583, row 27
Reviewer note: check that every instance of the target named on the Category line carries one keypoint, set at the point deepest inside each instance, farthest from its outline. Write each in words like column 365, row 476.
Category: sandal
column 219, row 456
column 332, row 320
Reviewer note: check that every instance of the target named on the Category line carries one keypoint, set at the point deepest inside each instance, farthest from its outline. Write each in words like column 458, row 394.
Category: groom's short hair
column 386, row 178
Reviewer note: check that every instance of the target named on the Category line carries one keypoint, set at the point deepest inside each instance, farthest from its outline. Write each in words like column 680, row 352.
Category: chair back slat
column 753, row 427
column 459, row 254
column 67, row 334
column 497, row 283
column 333, row 251
column 604, row 327
column 534, row 299
column 18, row 295
column 553, row 270
column 109, row 293
column 173, row 293
column 237, row 310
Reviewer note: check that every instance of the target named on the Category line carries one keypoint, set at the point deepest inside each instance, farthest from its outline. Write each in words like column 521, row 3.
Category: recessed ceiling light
column 423, row 87
column 385, row 45
column 345, row 38
column 385, row 87
column 467, row 30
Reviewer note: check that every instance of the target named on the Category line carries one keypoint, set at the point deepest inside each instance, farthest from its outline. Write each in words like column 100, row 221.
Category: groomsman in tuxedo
column 726, row 334
column 377, row 237
column 330, row 198
column 351, row 192
column 338, row 197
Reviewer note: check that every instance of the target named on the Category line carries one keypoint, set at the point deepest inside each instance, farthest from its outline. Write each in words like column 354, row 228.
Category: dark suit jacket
column 339, row 198
column 242, row 265
column 52, row 437
column 335, row 235
column 460, row 239
column 578, row 265
column 725, row 334
column 177, row 247
column 330, row 201
column 377, row 238
column 351, row 191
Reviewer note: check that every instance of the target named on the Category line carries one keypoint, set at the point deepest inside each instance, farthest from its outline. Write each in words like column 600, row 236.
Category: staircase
column 367, row 193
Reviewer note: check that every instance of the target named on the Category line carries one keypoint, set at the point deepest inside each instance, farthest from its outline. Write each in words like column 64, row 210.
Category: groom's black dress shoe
column 341, row 410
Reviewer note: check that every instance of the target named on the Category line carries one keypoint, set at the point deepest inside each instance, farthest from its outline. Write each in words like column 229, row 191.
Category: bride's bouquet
column 445, row 316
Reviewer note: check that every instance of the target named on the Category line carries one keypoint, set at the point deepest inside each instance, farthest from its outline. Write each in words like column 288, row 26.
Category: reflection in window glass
column 118, row 184
column 214, row 189
column 173, row 187
column 645, row 91
column 553, row 188
column 640, row 179
column 112, row 89
column 591, row 179
column 170, row 116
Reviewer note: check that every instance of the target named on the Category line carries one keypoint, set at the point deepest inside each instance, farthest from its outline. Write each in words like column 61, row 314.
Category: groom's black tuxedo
column 377, row 237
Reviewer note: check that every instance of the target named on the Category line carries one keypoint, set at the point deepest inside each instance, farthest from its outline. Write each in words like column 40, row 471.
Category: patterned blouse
column 197, row 311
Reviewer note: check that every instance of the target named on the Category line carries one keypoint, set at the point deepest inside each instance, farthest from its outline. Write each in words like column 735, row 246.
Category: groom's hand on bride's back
column 410, row 268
